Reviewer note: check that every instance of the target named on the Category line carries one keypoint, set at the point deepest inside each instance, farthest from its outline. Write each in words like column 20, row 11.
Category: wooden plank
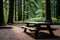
column 30, row 28
column 41, row 28
column 36, row 22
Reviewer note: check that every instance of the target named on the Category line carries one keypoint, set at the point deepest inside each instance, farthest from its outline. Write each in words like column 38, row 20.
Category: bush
column 54, row 20
column 39, row 19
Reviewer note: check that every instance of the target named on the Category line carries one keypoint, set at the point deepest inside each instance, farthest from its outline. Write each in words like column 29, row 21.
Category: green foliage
column 37, row 9
column 53, row 8
column 34, row 8
column 38, row 19
column 41, row 19
column 54, row 20
column 58, row 21
column 5, row 10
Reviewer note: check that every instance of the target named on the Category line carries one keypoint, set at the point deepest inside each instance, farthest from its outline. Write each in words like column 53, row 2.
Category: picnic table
column 38, row 27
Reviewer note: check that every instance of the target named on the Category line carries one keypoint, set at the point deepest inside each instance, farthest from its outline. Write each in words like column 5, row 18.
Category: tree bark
column 19, row 10
column 1, row 13
column 58, row 9
column 11, row 11
column 48, row 11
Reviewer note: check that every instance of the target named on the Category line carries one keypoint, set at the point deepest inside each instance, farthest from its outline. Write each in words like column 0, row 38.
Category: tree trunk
column 58, row 9
column 1, row 13
column 15, row 9
column 11, row 11
column 19, row 10
column 48, row 11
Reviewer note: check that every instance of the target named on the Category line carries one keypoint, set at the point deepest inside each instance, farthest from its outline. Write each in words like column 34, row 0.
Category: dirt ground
column 16, row 33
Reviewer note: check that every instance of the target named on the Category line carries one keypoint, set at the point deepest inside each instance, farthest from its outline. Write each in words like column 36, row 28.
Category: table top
column 38, row 23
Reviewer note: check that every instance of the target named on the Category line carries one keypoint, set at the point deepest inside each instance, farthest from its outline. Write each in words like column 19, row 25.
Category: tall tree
column 48, row 10
column 11, row 11
column 15, row 8
column 19, row 10
column 1, row 13
column 58, row 9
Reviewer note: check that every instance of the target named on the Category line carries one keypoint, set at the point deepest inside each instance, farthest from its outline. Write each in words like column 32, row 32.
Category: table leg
column 27, row 24
column 37, row 31
column 25, row 29
column 50, row 30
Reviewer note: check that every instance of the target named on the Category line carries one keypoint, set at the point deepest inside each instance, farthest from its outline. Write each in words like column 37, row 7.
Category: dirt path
column 16, row 33
column 13, row 34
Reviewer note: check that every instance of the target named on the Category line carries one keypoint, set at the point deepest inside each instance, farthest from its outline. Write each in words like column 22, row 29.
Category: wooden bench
column 29, row 28
column 38, row 27
column 34, row 28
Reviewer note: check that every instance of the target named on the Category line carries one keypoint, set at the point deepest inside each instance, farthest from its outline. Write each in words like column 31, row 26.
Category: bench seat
column 29, row 28
column 34, row 28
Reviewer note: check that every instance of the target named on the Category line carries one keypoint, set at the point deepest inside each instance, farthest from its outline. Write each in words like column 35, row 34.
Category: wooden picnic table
column 38, row 27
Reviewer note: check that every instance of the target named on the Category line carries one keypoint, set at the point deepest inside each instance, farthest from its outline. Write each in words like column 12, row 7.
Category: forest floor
column 16, row 33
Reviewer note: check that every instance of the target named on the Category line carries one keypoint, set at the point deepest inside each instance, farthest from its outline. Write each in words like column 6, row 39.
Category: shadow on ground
column 5, row 27
column 43, row 35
